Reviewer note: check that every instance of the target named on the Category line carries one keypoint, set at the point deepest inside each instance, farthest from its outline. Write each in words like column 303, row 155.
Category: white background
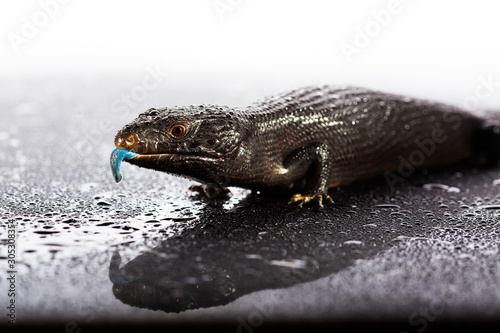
column 428, row 49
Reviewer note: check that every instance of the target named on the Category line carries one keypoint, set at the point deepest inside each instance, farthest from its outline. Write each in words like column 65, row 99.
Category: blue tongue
column 117, row 156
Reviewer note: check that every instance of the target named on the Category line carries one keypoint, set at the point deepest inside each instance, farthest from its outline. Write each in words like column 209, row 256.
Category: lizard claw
column 302, row 199
column 209, row 191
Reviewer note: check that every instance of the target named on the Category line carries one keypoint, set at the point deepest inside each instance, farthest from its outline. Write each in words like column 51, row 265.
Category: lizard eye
column 178, row 131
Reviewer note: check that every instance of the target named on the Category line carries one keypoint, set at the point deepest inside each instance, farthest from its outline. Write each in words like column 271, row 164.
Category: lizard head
column 193, row 141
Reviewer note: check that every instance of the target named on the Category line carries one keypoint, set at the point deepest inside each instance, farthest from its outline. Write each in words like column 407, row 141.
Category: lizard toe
column 303, row 199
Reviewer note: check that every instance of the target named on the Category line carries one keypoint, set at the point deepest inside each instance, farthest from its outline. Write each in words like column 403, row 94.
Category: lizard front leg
column 317, row 159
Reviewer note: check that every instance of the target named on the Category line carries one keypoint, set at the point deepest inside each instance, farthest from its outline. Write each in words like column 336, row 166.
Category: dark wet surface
column 92, row 251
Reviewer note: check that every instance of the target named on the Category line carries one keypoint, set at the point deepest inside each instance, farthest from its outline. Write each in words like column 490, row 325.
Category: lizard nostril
column 126, row 142
column 130, row 140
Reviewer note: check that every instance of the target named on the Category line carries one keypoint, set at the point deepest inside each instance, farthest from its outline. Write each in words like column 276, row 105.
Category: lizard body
column 304, row 141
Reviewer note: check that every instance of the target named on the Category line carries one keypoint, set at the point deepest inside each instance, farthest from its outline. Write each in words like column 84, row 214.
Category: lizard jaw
column 161, row 162
column 118, row 155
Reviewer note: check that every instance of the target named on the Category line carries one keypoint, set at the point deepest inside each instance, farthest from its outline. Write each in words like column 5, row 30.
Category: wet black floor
column 90, row 251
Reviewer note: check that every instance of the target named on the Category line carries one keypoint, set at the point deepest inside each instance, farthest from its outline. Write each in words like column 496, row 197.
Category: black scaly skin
column 306, row 140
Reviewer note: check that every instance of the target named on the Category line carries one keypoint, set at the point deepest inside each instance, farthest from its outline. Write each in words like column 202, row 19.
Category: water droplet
column 387, row 206
column 449, row 189
column 104, row 224
column 44, row 232
column 292, row 263
column 253, row 256
column 353, row 242
column 489, row 207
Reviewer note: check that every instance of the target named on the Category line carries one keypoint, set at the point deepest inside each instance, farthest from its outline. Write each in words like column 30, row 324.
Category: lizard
column 304, row 141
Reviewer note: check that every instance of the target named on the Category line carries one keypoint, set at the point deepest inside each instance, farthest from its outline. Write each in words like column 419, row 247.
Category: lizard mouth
column 118, row 155
column 156, row 161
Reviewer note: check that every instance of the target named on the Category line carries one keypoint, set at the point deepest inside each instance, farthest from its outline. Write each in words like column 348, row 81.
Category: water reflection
column 254, row 246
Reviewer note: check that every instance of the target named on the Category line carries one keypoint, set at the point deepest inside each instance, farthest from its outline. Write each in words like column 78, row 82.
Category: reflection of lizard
column 304, row 141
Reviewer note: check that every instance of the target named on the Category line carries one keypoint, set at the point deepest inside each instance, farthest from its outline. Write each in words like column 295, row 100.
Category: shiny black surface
column 421, row 256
